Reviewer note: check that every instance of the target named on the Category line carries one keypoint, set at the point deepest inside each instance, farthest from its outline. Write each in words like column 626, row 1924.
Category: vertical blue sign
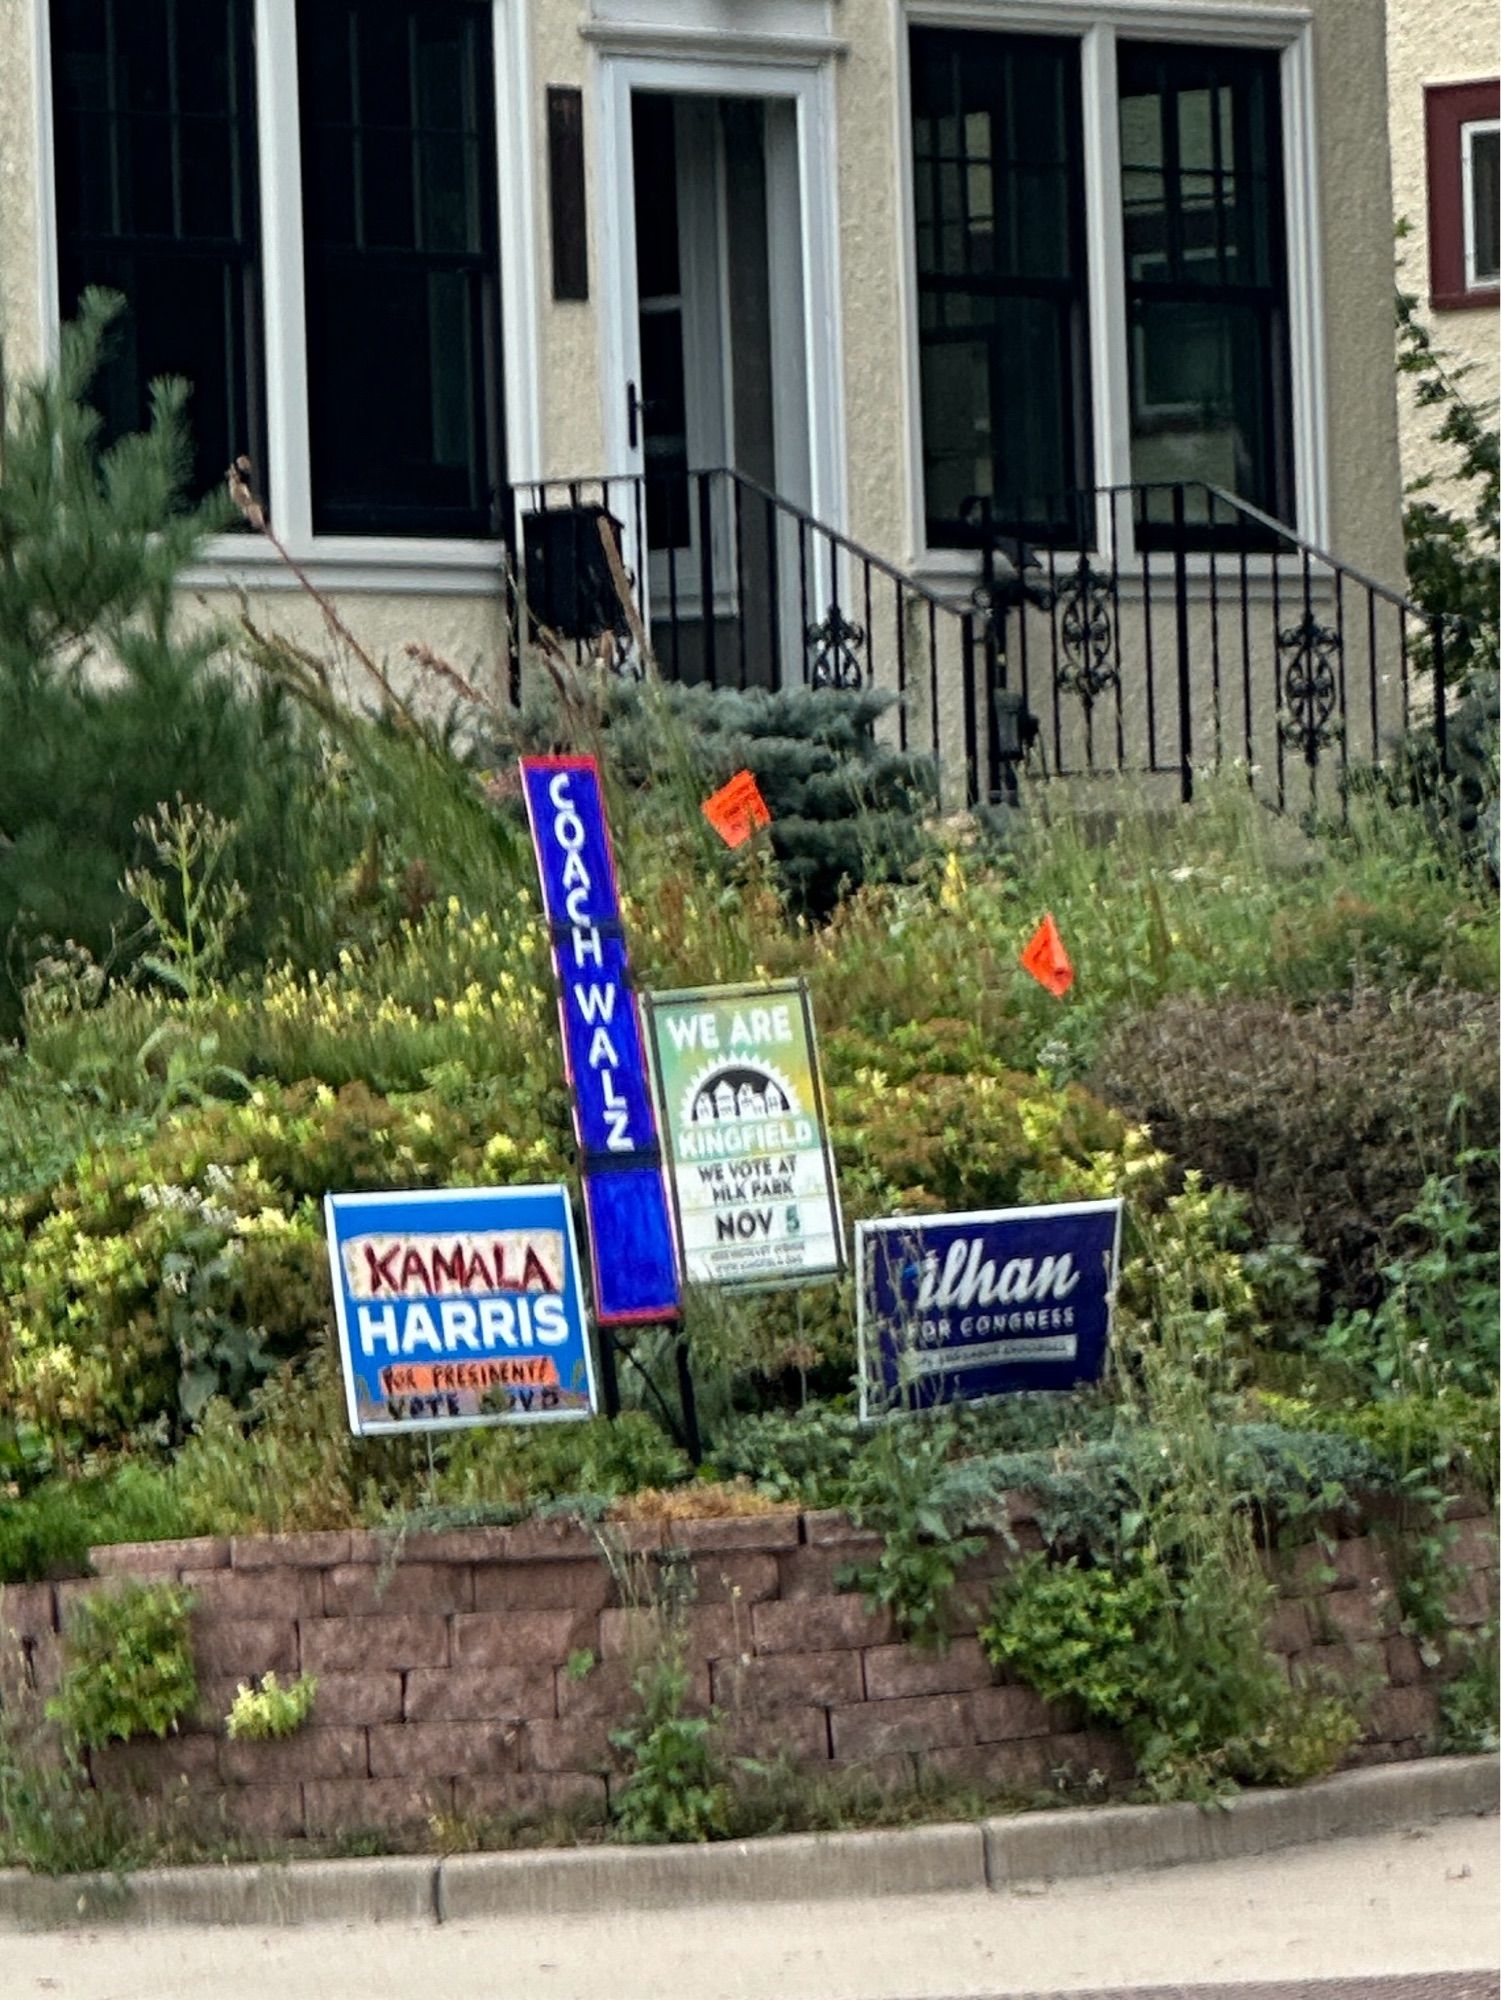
column 625, row 1194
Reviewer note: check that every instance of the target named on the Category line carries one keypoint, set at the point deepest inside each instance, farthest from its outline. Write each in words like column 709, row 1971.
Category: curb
column 920, row 1860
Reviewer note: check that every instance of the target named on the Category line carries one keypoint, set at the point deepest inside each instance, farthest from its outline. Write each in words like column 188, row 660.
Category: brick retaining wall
column 451, row 1673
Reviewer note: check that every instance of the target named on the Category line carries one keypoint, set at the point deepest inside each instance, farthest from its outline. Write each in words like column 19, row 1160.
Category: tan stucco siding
column 1451, row 42
column 1354, row 199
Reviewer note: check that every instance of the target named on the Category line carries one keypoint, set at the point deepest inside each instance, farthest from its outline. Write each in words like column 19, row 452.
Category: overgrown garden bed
column 322, row 967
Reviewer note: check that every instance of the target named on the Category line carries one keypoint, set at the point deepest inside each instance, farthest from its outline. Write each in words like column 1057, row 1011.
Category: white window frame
column 346, row 562
column 1097, row 25
column 1469, row 132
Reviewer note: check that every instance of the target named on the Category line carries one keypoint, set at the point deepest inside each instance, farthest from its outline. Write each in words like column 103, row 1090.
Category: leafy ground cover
column 1279, row 1047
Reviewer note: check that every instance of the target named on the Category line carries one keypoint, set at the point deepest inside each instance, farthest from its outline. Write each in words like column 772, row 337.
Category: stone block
column 816, row 1572
column 255, row 1812
column 1475, row 1542
column 1350, row 1666
column 497, row 1639
column 581, row 1743
column 736, row 1577
column 1360, row 1614
column 801, row 1734
column 371, row 1645
column 779, row 1680
column 164, row 1559
column 1000, row 1713
column 437, row 1694
column 260, row 1593
column 360, row 1697
column 532, row 1795
column 320, row 1550
column 902, row 1670
column 1400, row 1714
column 816, row 1625
column 1364, row 1561
column 607, row 1691
column 417, row 1750
column 362, row 1590
column 310, row 1752
column 27, row 1609
column 1287, row 1626
column 1019, row 1768
column 245, row 1646
column 371, row 1805
column 707, row 1631
column 734, row 1532
column 921, row 1722
column 581, row 1586
column 1404, row 1663
column 1306, row 1571
column 148, row 1764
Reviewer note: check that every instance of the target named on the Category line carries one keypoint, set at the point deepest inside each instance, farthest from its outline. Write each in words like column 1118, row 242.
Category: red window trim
column 1447, row 108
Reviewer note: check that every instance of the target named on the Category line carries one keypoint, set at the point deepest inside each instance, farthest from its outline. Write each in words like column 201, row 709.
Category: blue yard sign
column 954, row 1307
column 631, row 1243
column 458, row 1306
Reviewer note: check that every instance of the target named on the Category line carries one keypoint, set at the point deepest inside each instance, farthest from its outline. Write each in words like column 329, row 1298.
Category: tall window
column 154, row 120
column 401, row 249
column 1206, row 270
column 1002, row 324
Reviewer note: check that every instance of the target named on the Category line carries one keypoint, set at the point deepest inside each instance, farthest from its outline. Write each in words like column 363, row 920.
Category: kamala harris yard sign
column 748, row 1155
column 458, row 1306
column 954, row 1307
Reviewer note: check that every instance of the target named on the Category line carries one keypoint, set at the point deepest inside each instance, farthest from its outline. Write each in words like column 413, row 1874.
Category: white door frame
column 807, row 81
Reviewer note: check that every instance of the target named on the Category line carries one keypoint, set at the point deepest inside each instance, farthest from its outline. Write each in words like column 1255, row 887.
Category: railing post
column 1180, row 595
column 1440, row 696
column 706, row 577
column 967, row 669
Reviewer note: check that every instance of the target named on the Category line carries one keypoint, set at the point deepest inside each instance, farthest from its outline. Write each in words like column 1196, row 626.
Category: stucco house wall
column 859, row 43
column 1455, row 42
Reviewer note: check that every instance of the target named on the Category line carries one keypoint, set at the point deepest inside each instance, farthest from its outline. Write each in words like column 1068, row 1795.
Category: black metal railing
column 1185, row 631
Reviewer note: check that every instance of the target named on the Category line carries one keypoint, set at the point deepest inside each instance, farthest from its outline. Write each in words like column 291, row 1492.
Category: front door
column 711, row 364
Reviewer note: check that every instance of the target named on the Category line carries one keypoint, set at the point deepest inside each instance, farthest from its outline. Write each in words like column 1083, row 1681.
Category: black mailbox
column 568, row 583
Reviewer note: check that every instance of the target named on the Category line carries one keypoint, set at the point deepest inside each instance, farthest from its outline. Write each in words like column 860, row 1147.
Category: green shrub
column 94, row 540
column 49, row 1531
column 674, row 1788
column 260, row 1714
column 1199, row 1699
column 1469, row 1703
column 128, row 1667
column 1329, row 1120
column 190, row 1263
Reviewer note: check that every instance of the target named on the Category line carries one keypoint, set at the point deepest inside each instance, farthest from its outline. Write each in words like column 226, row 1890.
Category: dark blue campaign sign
column 458, row 1306
column 631, row 1241
column 955, row 1307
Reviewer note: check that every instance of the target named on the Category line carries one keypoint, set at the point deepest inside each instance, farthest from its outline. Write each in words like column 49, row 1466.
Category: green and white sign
column 742, row 1118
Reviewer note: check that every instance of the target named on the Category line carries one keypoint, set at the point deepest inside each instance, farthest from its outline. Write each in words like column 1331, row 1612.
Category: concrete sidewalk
column 920, row 1860
column 1421, row 1900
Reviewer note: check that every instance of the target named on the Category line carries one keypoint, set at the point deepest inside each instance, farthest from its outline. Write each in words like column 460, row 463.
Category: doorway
column 720, row 271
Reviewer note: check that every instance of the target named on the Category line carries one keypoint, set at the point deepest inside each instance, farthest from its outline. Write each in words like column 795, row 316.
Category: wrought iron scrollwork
column 1089, row 658
column 1310, row 656
column 836, row 646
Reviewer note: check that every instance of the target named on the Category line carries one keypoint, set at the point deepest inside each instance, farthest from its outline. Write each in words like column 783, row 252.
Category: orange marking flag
column 1046, row 959
column 737, row 809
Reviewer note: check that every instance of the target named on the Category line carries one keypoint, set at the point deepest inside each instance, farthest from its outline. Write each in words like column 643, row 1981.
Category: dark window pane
column 654, row 147
column 998, row 186
column 1206, row 272
column 1485, row 218
column 154, row 133
column 401, row 237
